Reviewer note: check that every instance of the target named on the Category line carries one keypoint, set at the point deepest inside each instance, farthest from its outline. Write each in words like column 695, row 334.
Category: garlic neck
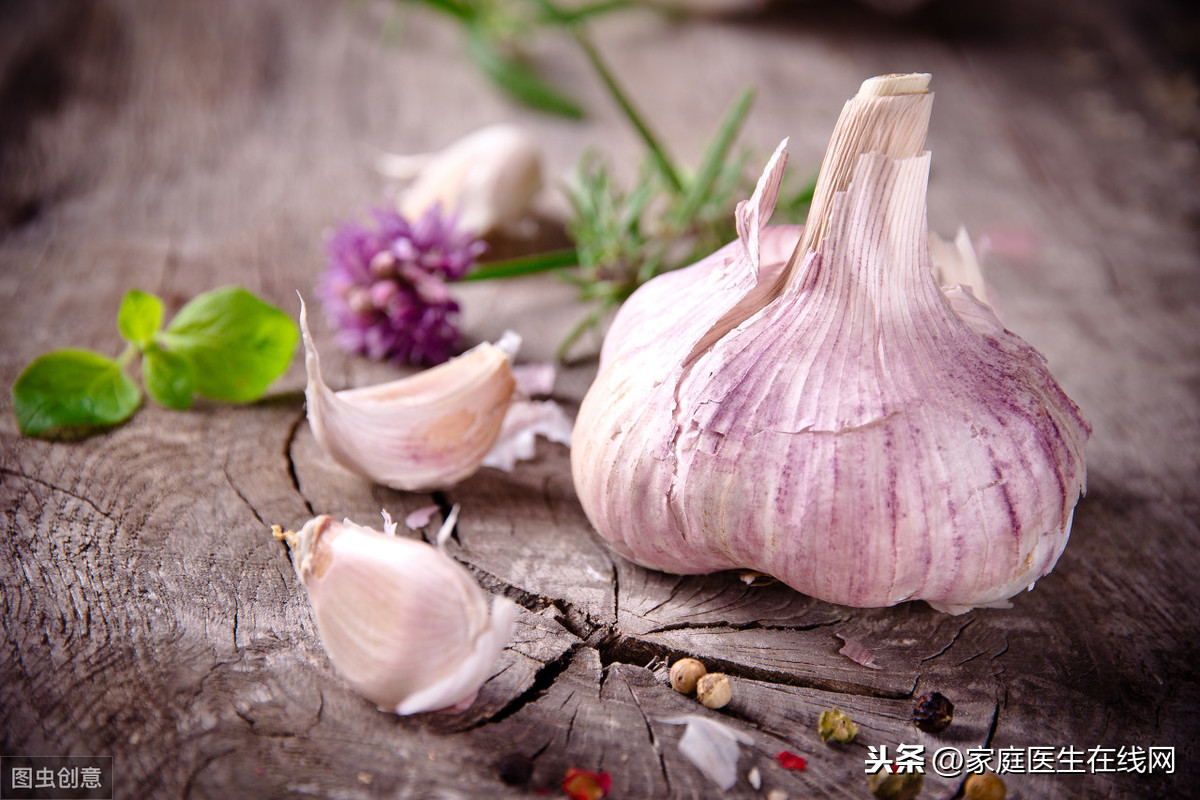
column 889, row 116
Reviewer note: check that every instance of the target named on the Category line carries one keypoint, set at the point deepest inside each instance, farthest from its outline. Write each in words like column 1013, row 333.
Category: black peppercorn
column 933, row 712
column 515, row 769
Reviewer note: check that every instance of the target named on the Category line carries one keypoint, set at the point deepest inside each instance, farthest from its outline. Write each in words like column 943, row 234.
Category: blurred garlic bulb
column 405, row 625
column 426, row 431
column 489, row 178
column 809, row 404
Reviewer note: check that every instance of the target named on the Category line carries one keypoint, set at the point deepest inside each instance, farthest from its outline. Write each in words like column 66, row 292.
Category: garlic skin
column 808, row 403
column 489, row 178
column 711, row 746
column 427, row 431
column 405, row 625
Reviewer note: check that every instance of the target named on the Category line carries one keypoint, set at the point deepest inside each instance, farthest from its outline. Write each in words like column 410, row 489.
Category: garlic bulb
column 405, row 625
column 426, row 431
column 489, row 178
column 809, row 404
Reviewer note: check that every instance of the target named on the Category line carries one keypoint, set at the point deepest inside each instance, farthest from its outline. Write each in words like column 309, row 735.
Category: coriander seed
column 685, row 673
column 714, row 690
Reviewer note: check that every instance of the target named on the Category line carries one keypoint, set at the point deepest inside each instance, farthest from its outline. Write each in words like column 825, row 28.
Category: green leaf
column 701, row 186
column 168, row 377
column 517, row 78
column 235, row 343
column 140, row 316
column 72, row 391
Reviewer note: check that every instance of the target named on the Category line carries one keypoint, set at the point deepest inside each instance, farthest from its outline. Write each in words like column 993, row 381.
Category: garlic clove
column 833, row 418
column 489, row 178
column 426, row 431
column 405, row 625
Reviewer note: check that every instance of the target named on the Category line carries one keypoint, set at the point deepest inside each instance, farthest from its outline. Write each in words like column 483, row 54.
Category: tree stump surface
column 149, row 615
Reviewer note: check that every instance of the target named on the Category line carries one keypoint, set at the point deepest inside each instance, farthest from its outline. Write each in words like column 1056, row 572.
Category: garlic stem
column 889, row 115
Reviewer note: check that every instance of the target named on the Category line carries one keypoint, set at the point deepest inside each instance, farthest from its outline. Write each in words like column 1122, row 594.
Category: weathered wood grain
column 148, row 614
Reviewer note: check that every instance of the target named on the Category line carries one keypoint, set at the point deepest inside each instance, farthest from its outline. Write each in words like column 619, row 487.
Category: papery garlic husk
column 808, row 403
column 427, row 431
column 712, row 747
column 488, row 178
column 405, row 625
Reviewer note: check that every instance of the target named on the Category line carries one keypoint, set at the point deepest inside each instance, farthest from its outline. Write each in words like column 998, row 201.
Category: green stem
column 622, row 100
column 715, row 157
column 455, row 9
column 523, row 265
column 569, row 16
column 127, row 355
column 584, row 324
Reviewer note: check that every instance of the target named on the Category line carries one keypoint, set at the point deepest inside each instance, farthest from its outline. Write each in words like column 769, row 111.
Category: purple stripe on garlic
column 810, row 404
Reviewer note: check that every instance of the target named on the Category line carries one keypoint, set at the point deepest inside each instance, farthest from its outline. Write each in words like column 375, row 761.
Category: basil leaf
column 140, row 316
column 71, row 392
column 168, row 377
column 236, row 344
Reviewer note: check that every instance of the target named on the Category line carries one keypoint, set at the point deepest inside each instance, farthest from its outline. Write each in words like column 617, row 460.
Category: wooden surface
column 148, row 614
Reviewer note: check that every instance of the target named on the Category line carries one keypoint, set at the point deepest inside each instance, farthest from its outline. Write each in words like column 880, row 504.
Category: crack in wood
column 527, row 600
column 54, row 487
column 616, row 647
column 543, row 680
column 204, row 763
column 742, row 626
column 950, row 644
column 288, row 443
column 658, row 750
column 987, row 743
column 237, row 490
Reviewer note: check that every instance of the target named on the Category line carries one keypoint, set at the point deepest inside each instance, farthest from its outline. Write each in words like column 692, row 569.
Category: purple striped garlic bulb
column 809, row 403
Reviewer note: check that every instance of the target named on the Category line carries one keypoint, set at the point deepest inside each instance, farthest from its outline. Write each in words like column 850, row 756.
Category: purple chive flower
column 384, row 289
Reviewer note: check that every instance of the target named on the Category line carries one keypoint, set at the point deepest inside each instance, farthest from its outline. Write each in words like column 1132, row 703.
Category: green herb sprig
column 622, row 238
column 225, row 344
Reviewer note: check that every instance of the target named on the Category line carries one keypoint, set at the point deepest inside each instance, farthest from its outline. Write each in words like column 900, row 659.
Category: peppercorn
column 515, row 769
column 714, row 690
column 833, row 724
column 895, row 785
column 685, row 673
column 933, row 712
column 984, row 786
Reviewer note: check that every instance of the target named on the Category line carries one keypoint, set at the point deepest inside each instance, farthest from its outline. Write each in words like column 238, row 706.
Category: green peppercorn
column 895, row 785
column 836, row 726
column 933, row 712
